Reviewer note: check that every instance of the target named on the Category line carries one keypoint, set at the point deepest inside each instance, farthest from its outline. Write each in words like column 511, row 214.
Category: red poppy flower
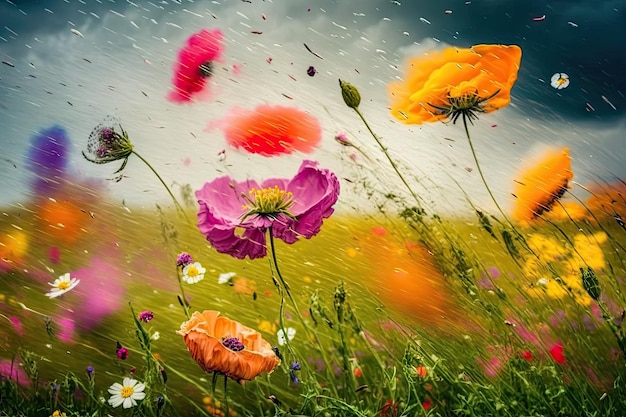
column 271, row 130
column 195, row 64
column 556, row 352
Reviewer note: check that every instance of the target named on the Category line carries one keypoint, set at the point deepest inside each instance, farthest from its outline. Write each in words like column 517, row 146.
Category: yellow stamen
column 63, row 285
column 269, row 201
column 127, row 392
column 192, row 271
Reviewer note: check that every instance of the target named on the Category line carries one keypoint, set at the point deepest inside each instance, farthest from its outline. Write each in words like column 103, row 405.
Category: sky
column 75, row 63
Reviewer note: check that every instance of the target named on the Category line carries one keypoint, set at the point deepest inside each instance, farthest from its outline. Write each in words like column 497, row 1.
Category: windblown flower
column 195, row 64
column 184, row 259
column 221, row 345
column 560, row 80
column 109, row 142
column 290, row 334
column 127, row 393
column 456, row 82
column 539, row 187
column 146, row 316
column 271, row 130
column 62, row 285
column 293, row 208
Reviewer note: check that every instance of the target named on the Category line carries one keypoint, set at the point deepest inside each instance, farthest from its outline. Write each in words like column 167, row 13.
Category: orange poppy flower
column 221, row 345
column 484, row 73
column 541, row 185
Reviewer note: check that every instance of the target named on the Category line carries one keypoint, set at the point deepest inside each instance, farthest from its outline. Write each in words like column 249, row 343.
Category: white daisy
column 62, row 285
column 193, row 273
column 127, row 393
column 291, row 333
column 226, row 277
column 560, row 80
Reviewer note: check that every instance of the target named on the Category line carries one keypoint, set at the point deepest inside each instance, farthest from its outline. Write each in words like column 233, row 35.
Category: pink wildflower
column 292, row 208
column 195, row 64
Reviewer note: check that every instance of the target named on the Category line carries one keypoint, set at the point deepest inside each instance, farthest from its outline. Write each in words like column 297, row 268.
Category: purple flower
column 293, row 208
column 184, row 259
column 146, row 316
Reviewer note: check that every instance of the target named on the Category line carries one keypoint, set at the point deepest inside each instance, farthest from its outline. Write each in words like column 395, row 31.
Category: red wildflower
column 421, row 371
column 427, row 404
column 271, row 130
column 195, row 64
column 527, row 355
column 557, row 353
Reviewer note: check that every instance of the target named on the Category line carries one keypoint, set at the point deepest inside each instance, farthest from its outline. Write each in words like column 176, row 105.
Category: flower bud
column 590, row 283
column 350, row 94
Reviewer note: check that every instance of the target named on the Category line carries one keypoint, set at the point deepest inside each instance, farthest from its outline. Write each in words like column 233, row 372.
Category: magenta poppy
column 292, row 208
column 195, row 64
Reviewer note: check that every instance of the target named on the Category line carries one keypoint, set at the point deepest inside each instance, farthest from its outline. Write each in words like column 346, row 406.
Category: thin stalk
column 480, row 171
column 285, row 287
column 390, row 159
column 178, row 206
column 183, row 299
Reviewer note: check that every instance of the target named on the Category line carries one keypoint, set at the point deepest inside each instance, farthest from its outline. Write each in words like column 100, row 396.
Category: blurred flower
column 280, row 334
column 295, row 366
column 184, row 259
column 58, row 413
column 343, row 139
column 109, row 142
column 421, row 371
column 127, row 393
column 193, row 273
column 271, row 130
column 527, row 355
column 62, row 285
column 456, row 81
column 540, row 186
column 90, row 372
column 556, row 351
column 293, row 208
column 221, row 345
column 547, row 247
column 48, row 158
column 226, row 277
column 155, row 336
column 11, row 370
column 13, row 246
column 146, row 316
column 121, row 352
column 311, row 71
column 195, row 64
column 560, row 80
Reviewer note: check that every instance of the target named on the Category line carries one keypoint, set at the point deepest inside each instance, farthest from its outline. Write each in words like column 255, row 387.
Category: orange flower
column 225, row 346
column 541, row 185
column 479, row 78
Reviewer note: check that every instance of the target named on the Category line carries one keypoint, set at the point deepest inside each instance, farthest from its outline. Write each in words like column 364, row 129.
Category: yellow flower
column 58, row 413
column 588, row 247
column 546, row 247
column 478, row 78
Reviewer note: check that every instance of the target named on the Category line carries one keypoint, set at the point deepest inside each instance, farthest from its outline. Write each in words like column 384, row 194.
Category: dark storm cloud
column 584, row 38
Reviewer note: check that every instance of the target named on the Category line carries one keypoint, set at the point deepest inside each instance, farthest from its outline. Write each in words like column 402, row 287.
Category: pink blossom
column 227, row 205
column 10, row 369
column 195, row 64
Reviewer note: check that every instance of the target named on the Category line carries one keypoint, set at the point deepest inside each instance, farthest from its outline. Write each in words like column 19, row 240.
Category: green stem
column 178, row 206
column 391, row 161
column 285, row 288
column 182, row 293
column 480, row 171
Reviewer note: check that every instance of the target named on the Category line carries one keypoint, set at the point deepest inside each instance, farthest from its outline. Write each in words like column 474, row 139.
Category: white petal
column 116, row 401
column 139, row 387
column 115, row 388
column 139, row 395
column 129, row 402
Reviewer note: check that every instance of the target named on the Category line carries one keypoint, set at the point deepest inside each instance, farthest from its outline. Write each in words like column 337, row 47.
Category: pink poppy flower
column 271, row 130
column 195, row 64
column 292, row 208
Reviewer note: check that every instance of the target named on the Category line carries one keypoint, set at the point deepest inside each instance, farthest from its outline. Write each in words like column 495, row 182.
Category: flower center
column 192, row 271
column 233, row 343
column 127, row 392
column 206, row 69
column 63, row 285
column 269, row 202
